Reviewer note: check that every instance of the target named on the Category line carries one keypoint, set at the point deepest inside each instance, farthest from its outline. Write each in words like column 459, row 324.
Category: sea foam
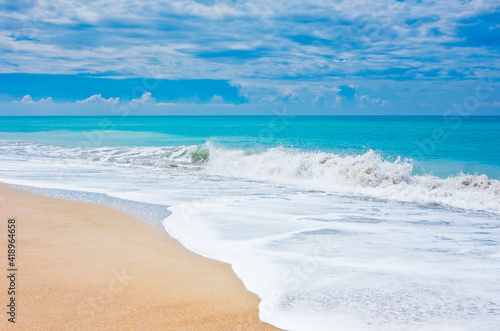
column 318, row 261
column 368, row 174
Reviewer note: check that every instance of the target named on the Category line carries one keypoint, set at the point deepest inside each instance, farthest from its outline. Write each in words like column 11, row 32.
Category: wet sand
column 85, row 266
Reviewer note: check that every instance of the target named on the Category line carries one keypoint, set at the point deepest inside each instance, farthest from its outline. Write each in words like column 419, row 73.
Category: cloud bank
column 294, row 52
column 97, row 98
column 27, row 99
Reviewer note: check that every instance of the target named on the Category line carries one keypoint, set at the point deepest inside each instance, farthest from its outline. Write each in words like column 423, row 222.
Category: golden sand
column 85, row 266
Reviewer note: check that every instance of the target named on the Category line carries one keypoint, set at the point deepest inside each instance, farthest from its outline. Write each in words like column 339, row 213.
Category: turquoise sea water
column 442, row 146
column 336, row 223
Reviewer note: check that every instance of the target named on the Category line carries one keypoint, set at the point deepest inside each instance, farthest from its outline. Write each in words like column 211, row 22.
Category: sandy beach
column 84, row 266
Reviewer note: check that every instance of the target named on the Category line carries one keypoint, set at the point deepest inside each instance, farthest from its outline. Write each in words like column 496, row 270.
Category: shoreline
column 83, row 265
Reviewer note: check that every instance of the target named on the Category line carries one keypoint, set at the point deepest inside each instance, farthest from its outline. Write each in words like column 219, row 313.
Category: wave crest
column 365, row 174
column 366, row 170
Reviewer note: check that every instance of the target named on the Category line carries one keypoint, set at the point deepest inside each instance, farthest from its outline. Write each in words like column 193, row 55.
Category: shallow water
column 331, row 232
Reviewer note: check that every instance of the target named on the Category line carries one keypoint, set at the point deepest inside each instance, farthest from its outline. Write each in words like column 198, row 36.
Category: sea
column 335, row 222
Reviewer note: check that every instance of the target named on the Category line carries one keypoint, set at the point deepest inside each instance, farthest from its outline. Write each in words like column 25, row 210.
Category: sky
column 308, row 57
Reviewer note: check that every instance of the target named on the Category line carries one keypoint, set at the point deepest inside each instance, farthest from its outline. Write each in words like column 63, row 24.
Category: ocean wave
column 367, row 174
column 187, row 157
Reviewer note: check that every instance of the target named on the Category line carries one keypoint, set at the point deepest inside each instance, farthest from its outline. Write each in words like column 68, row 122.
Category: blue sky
column 250, row 57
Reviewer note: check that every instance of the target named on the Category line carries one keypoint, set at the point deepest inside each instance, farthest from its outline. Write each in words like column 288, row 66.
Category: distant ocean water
column 337, row 223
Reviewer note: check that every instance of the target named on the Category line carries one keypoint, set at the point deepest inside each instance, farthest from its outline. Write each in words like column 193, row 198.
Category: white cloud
column 283, row 49
column 494, row 104
column 267, row 99
column 366, row 100
column 319, row 96
column 27, row 99
column 146, row 98
column 291, row 96
column 216, row 99
column 216, row 11
column 97, row 98
column 371, row 22
column 326, row 96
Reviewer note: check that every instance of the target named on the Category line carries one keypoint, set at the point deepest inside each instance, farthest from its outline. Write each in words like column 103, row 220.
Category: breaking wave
column 186, row 157
column 367, row 174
